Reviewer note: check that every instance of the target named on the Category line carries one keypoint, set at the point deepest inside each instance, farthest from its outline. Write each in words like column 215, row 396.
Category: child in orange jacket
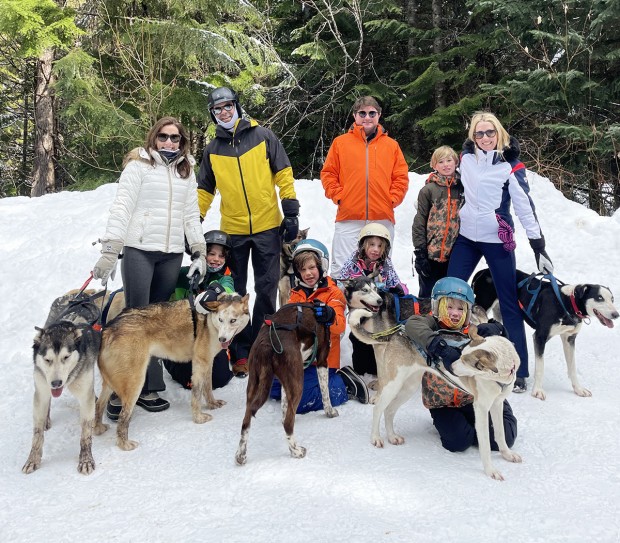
column 310, row 265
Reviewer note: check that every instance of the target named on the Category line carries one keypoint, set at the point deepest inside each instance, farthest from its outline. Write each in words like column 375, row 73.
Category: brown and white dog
column 286, row 340
column 170, row 330
column 486, row 369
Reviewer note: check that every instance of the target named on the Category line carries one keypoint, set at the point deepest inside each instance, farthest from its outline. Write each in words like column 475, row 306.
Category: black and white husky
column 552, row 315
column 65, row 353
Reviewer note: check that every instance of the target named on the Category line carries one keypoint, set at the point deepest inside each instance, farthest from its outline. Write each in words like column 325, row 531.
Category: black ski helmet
column 221, row 95
column 218, row 236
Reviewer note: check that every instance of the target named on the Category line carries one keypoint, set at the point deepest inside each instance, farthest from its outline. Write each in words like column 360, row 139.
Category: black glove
column 209, row 295
column 492, row 328
column 323, row 313
column 438, row 348
column 543, row 262
column 421, row 263
column 289, row 227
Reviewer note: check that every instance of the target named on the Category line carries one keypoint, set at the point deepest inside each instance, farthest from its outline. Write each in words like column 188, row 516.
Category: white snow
column 182, row 484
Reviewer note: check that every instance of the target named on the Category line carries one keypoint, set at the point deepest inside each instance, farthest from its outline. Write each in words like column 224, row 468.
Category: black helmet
column 218, row 236
column 220, row 95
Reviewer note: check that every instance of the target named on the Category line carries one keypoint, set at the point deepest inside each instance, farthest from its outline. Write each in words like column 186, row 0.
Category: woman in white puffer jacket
column 155, row 209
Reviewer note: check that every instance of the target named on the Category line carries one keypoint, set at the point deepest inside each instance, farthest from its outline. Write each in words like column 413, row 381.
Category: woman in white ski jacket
column 492, row 178
column 155, row 209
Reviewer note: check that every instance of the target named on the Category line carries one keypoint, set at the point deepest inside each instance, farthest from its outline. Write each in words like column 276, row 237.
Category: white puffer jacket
column 154, row 207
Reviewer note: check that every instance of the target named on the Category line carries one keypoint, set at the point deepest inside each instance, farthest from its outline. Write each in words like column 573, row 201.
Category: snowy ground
column 182, row 484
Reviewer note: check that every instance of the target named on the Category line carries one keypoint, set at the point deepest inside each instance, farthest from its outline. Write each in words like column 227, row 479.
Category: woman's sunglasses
column 487, row 133
column 371, row 114
column 218, row 110
column 174, row 138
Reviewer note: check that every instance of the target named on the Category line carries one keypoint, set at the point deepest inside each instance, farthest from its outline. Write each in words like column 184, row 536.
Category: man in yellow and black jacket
column 245, row 162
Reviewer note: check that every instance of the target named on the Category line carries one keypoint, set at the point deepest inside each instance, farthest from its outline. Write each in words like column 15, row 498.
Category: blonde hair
column 364, row 101
column 443, row 152
column 503, row 138
column 443, row 316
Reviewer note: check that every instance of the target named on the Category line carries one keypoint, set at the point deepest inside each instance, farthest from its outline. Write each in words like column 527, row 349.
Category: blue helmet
column 451, row 287
column 316, row 247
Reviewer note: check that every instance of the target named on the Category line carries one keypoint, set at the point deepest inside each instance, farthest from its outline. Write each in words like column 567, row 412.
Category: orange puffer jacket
column 332, row 296
column 366, row 179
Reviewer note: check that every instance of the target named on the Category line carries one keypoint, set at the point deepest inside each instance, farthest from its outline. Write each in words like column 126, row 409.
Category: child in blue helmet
column 310, row 265
column 217, row 280
column 451, row 409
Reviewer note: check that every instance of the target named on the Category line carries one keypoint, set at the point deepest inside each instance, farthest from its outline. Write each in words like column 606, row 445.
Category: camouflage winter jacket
column 436, row 223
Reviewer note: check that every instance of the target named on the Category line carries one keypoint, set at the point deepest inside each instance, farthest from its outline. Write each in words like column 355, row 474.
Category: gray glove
column 105, row 268
column 199, row 260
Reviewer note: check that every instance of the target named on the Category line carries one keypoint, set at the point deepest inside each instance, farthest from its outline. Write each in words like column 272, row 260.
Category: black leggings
column 149, row 277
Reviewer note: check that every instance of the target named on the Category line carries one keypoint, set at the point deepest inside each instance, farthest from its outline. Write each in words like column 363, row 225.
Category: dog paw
column 511, row 456
column 298, row 451
column 539, row 393
column 216, row 404
column 373, row 399
column 331, row 413
column 126, row 444
column 48, row 423
column 86, row 467
column 100, row 428
column 241, row 459
column 31, row 466
column 373, row 385
column 377, row 442
column 201, row 418
column 494, row 474
column 396, row 439
column 583, row 392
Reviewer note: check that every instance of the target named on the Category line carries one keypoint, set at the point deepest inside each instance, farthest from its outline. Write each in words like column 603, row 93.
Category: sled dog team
column 294, row 352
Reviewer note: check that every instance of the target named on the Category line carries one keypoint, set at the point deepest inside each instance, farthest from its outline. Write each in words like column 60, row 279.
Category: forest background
column 81, row 81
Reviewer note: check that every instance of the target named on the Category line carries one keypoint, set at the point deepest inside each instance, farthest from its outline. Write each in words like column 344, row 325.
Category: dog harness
column 275, row 339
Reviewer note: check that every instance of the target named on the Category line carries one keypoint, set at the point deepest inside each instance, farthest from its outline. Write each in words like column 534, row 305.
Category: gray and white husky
column 65, row 353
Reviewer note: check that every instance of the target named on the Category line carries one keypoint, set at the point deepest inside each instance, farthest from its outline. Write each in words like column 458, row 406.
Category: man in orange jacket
column 366, row 176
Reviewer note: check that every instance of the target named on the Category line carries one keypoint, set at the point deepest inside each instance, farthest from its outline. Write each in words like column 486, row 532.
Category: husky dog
column 287, row 277
column 170, row 330
column 551, row 315
column 285, row 341
column 486, row 369
column 65, row 352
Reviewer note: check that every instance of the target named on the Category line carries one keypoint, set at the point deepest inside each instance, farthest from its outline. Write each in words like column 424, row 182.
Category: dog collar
column 576, row 309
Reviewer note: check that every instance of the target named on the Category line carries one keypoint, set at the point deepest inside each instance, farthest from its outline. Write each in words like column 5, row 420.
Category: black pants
column 363, row 357
column 457, row 427
column 439, row 270
column 182, row 372
column 264, row 249
column 149, row 277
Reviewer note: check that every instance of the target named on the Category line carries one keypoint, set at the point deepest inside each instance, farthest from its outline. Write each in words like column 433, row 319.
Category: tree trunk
column 43, row 178
column 437, row 8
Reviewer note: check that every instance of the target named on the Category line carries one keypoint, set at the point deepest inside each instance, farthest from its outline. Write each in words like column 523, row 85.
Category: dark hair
column 184, row 168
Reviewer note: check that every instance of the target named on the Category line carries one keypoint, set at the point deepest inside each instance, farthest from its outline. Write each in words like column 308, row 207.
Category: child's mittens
column 324, row 314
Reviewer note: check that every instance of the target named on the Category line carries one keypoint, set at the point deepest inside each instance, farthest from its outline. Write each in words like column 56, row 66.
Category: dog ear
column 246, row 300
column 37, row 338
column 580, row 291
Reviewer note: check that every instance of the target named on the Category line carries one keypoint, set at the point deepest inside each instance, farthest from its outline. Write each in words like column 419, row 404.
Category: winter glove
column 324, row 314
column 421, row 263
column 210, row 295
column 199, row 261
column 438, row 348
column 543, row 262
column 492, row 328
column 289, row 228
column 105, row 268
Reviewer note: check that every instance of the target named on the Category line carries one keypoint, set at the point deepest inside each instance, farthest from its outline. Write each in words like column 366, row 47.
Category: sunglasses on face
column 218, row 110
column 174, row 138
column 487, row 133
column 371, row 114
